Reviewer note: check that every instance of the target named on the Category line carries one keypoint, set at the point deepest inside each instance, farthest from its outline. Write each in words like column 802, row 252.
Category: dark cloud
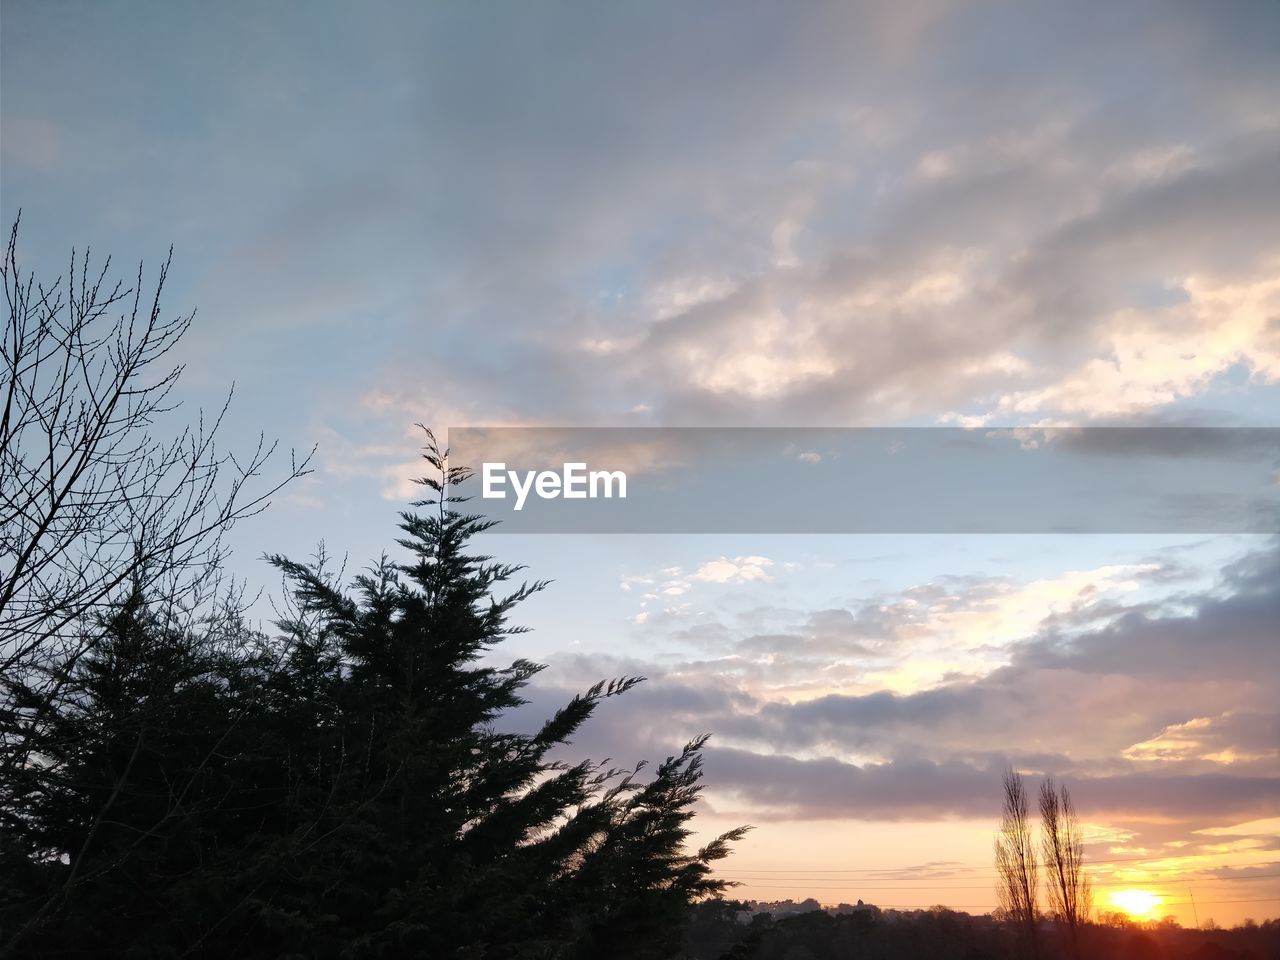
column 788, row 788
column 1230, row 636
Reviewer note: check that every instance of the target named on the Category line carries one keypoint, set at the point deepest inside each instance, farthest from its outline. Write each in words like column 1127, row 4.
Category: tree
column 93, row 501
column 146, row 787
column 1016, row 864
column 456, row 836
column 348, row 788
column 1062, row 845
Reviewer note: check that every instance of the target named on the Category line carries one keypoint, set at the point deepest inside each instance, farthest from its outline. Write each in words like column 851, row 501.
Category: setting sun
column 1139, row 904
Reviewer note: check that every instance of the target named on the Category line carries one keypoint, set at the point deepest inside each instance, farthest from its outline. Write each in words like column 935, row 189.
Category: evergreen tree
column 445, row 835
column 344, row 790
column 136, row 789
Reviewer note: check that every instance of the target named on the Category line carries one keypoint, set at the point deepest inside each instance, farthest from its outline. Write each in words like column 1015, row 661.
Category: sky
column 750, row 214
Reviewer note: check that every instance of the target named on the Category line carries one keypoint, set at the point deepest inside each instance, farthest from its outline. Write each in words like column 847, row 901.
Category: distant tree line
column 174, row 783
column 730, row 930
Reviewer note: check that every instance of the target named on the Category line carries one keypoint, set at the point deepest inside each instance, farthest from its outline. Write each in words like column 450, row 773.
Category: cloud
column 735, row 570
column 906, row 641
column 790, row 788
column 832, row 214
column 1233, row 738
column 1159, row 715
column 837, row 215
column 662, row 587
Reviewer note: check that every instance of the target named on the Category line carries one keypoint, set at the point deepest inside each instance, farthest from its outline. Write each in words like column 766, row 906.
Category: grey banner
column 872, row 480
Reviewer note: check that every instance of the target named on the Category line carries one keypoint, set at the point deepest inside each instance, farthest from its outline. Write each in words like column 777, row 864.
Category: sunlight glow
column 1139, row 904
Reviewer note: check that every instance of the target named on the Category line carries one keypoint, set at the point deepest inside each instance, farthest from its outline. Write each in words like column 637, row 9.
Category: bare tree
column 1070, row 895
column 92, row 501
column 1016, row 864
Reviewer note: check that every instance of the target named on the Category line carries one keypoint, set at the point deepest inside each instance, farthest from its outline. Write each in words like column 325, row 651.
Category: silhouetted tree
column 470, row 838
column 344, row 790
column 1016, row 863
column 144, row 784
column 1062, row 844
column 92, row 501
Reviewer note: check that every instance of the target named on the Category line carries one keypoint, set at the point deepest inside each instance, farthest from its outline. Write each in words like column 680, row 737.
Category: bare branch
column 1016, row 864
column 92, row 500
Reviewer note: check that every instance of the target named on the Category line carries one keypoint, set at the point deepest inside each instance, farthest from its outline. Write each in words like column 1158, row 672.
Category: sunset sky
column 811, row 214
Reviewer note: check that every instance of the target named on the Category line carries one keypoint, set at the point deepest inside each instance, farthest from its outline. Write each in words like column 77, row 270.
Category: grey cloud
column 1109, row 687
column 1228, row 637
column 1154, row 716
column 1219, row 218
column 902, row 790
column 548, row 160
column 1173, row 441
column 536, row 176
column 1266, row 870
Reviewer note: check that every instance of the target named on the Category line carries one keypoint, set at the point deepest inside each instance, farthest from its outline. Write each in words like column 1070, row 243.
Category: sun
column 1139, row 904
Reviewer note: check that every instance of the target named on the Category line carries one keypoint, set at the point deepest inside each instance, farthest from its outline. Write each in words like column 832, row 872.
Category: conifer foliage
column 346, row 788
